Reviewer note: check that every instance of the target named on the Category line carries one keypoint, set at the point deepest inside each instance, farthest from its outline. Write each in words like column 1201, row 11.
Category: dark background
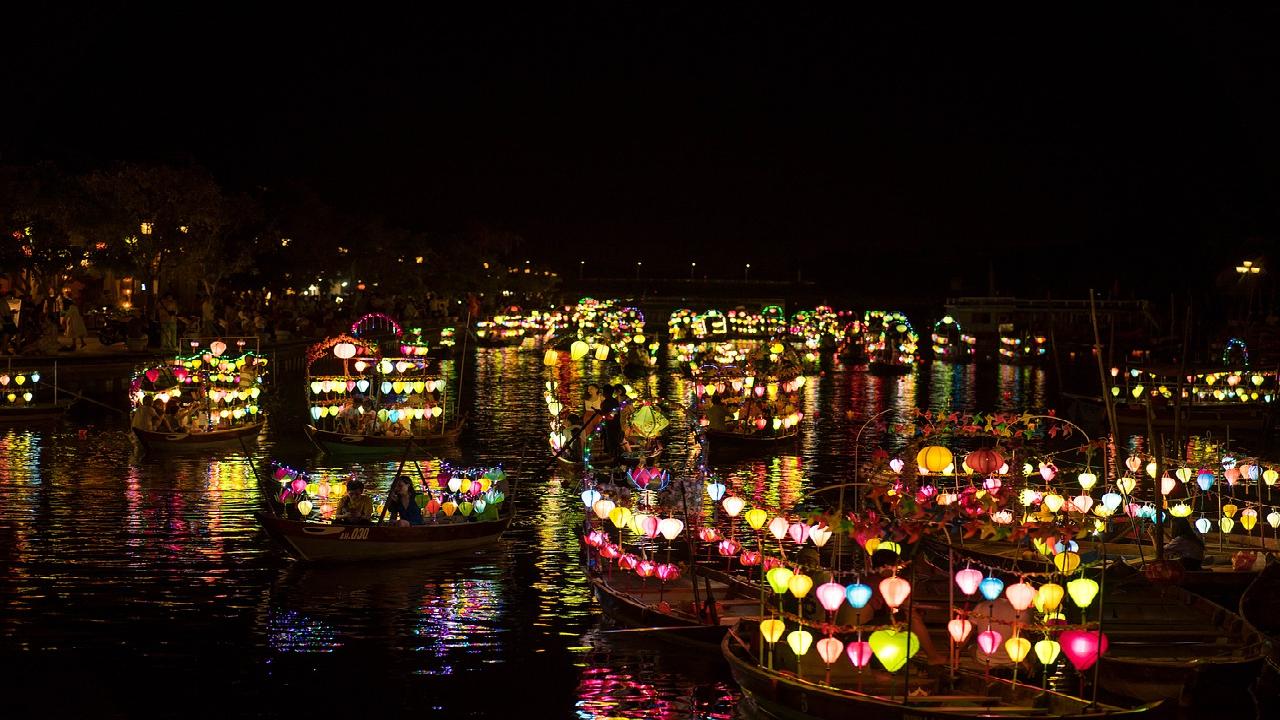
column 1130, row 149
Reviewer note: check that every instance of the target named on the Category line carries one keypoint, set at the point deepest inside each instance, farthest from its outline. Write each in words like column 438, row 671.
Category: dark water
column 141, row 586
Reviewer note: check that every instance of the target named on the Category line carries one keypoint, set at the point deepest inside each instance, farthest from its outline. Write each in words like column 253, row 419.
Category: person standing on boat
column 402, row 502
column 355, row 507
column 717, row 415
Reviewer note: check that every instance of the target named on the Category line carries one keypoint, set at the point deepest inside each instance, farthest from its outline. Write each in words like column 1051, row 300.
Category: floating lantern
column 968, row 580
column 646, row 568
column 991, row 587
column 772, row 629
column 799, row 641
column 959, row 629
column 858, row 594
column 894, row 590
column 893, row 647
column 830, row 595
column 779, row 578
column 1083, row 647
column 1082, row 591
column 1017, row 648
column 989, row 641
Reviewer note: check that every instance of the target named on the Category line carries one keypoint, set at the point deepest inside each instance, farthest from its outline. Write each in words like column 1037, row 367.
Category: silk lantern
column 733, row 505
column 894, row 590
column 779, row 578
column 1083, row 647
column 772, row 630
column 989, row 641
column 959, row 629
column 858, row 594
column 1017, row 648
column 859, row 653
column 1082, row 591
column 829, row 649
column 830, row 595
column 894, row 647
column 1047, row 651
column 991, row 587
column 968, row 580
column 799, row 641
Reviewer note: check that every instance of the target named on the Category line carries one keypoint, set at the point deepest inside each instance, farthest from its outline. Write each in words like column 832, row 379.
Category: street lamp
column 692, row 267
column 582, row 264
column 746, row 273
column 638, row 263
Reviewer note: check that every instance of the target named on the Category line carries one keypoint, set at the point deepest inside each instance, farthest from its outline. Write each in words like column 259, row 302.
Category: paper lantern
column 1017, row 648
column 602, row 508
column 830, row 595
column 1066, row 562
column 1082, row 647
column 715, row 490
column 1082, row 503
column 1047, row 651
column 1111, row 501
column 829, row 649
column 819, row 535
column 934, row 458
column 670, row 527
column 1229, row 510
column 968, row 580
column 1205, row 480
column 772, row 630
column 602, row 352
column 344, row 351
column 1053, row 502
column 1020, row 595
column 1226, row 524
column 1273, row 519
column 647, row 525
column 893, row 647
column 733, row 505
column 986, row 461
column 1049, row 597
column 799, row 585
column 991, row 587
column 1126, row 485
column 896, row 465
column 708, row 534
column 755, row 518
column 620, row 517
column 646, row 568
column 989, row 641
column 1082, row 591
column 858, row 594
column 1087, row 480
column 779, row 578
column 749, row 558
column 894, row 590
column 1048, row 471
column 596, row 538
column 1270, row 476
column 799, row 641
column 799, row 532
column 959, row 629
column 778, row 527
column 304, row 507
column 218, row 347
column 859, row 653
column 578, row 350
column 1203, row 525
column 1167, row 484
column 590, row 497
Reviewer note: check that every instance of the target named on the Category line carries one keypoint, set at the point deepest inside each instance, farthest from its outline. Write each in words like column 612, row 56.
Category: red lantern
column 667, row 571
column 596, row 538
column 1082, row 647
column 610, row 551
column 708, row 534
column 646, row 568
column 729, row 547
column 986, row 461
column 628, row 561
column 749, row 558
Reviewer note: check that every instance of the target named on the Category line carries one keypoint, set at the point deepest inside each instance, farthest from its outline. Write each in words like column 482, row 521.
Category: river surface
column 141, row 586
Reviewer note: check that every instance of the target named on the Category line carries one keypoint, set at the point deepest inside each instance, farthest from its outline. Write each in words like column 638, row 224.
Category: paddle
column 244, row 450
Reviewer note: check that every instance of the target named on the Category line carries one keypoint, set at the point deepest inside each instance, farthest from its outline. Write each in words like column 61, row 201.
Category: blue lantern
column 715, row 490
column 1203, row 525
column 1205, row 480
column 991, row 587
column 386, row 388
column 859, row 595
column 590, row 497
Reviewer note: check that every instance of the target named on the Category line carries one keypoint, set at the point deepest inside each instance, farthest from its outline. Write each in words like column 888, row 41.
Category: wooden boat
column 326, row 542
column 877, row 367
column 153, row 440
column 344, row 443
column 1258, row 608
column 1166, row 642
column 23, row 400
column 670, row 610
column 729, row 440
column 34, row 413
column 813, row 694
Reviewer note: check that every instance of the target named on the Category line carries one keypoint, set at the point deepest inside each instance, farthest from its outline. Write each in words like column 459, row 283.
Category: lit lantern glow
column 1049, row 597
column 1082, row 591
column 620, row 517
column 1203, row 525
column 778, row 527
column 1273, row 519
column 1017, row 648
column 1126, row 485
column 772, row 630
column 991, row 587
column 1082, row 503
column 1227, row 524
column 1205, row 480
column 670, row 527
column 830, row 595
column 1047, row 651
column 578, row 350
column 894, row 647
column 590, row 497
column 968, row 580
column 1167, row 485
column 989, row 641
column 1066, row 562
column 1087, row 480
column 1053, row 502
column 779, row 578
column 756, row 517
column 715, row 491
column 859, row 595
column 304, row 507
column 829, row 649
column 602, row 508
column 733, row 505
column 799, row 532
column 959, row 629
column 1082, row 647
column 894, row 590
column 799, row 585
column 819, row 535
column 1248, row 518
column 934, row 458
column 345, row 351
column 859, row 653
column 1020, row 595
column 799, row 641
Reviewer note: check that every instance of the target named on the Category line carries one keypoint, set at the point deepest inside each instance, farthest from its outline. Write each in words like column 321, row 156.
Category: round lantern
column 986, row 461
column 1047, row 651
column 959, row 630
column 799, row 585
column 772, row 630
column 344, row 351
column 1020, row 595
column 829, row 649
column 779, row 578
column 991, row 587
column 934, row 458
column 799, row 641
column 1082, row 591
column 989, row 641
column 859, row 653
column 733, row 505
column 830, row 595
column 756, row 517
column 968, row 580
column 859, row 595
column 1017, row 648
column 894, row 590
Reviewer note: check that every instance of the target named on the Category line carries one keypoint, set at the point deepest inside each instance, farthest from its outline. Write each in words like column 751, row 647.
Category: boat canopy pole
column 78, row 396
column 1102, row 375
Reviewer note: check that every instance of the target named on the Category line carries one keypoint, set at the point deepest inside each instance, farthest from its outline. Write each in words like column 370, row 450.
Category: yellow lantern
column 799, row 586
column 1047, row 651
column 1017, row 648
column 756, row 517
column 893, row 647
column 934, row 458
column 1248, row 518
column 551, row 358
column 799, row 641
column 1082, row 591
column 779, row 579
column 602, row 352
column 578, row 350
column 1066, row 562
column 1180, row 510
column 1229, row 510
column 872, row 545
column 772, row 629
column 1048, row 597
column 620, row 517
column 1126, row 485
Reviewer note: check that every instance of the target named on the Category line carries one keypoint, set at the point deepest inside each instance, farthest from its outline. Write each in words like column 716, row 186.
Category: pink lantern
column 769, row 562
column 830, row 594
column 628, row 561
column 646, row 568
column 1048, row 471
column 596, row 538
column 1232, row 475
column 299, row 485
column 991, row 484
column 859, row 653
column 959, row 629
column 799, row 532
column 760, row 423
column 894, row 590
column 1082, row 647
column 968, row 580
column 610, row 551
column 749, row 558
column 708, row 534
column 829, row 649
column 1020, row 595
column 778, row 526
column 1167, row 484
column 667, row 572
column 153, row 374
column 989, row 641
column 729, row 547
column 649, row 525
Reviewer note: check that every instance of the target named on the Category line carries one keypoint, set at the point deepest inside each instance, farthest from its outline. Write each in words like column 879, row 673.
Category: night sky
column 1130, row 145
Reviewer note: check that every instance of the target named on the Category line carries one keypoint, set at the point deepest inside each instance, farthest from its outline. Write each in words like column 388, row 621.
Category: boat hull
column 152, row 440
column 33, row 414
column 342, row 443
column 319, row 542
column 721, row 440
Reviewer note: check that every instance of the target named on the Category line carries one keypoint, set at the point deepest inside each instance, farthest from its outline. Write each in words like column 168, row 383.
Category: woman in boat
column 402, row 502
column 1186, row 545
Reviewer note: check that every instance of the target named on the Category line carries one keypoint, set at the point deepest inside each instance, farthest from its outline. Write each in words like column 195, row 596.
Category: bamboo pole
column 1102, row 375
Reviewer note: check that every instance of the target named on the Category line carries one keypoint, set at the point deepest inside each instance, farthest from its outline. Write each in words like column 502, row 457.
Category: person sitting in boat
column 573, row 430
column 355, row 508
column 402, row 502
column 594, row 400
column 348, row 417
column 165, row 421
column 144, row 418
column 1186, row 546
column 610, row 408
column 717, row 415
